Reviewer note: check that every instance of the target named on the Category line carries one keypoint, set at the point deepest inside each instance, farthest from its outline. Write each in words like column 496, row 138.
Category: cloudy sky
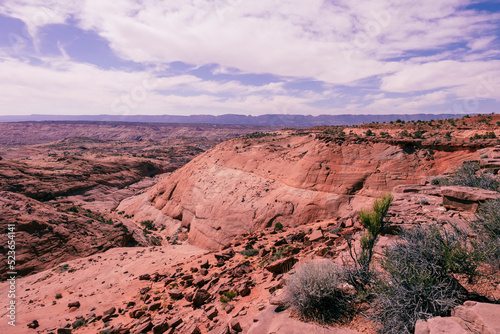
column 183, row 57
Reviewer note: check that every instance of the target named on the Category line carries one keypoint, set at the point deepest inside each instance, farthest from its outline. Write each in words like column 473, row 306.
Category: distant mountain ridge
column 284, row 120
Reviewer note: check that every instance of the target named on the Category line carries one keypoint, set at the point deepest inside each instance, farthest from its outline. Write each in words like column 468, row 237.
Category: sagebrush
column 417, row 282
column 315, row 291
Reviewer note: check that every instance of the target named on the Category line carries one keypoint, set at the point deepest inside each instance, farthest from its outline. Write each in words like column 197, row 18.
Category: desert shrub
column 469, row 175
column 418, row 284
column 418, row 135
column 369, row 133
column 315, row 291
column 488, row 224
column 385, row 134
column 260, row 134
column 227, row 296
column 249, row 252
column 78, row 323
column 359, row 274
column 440, row 180
column 149, row 225
column 404, row 133
column 58, row 296
column 73, row 208
column 424, row 201
column 278, row 227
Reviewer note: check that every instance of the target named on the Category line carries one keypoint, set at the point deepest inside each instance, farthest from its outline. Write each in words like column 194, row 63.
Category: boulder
column 175, row 294
column 471, row 317
column 281, row 266
column 466, row 198
column 439, row 325
column 316, row 235
column 200, row 297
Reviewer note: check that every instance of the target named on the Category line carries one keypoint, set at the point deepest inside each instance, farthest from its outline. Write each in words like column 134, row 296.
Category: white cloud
column 446, row 54
column 465, row 79
column 60, row 87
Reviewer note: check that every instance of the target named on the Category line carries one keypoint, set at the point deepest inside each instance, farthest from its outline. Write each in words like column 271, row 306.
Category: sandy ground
column 98, row 282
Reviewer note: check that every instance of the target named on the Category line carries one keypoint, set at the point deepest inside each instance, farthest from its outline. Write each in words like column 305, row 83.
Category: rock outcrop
column 45, row 237
column 471, row 317
column 249, row 183
column 466, row 198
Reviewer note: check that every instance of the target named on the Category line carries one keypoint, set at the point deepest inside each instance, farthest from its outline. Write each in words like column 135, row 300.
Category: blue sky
column 186, row 57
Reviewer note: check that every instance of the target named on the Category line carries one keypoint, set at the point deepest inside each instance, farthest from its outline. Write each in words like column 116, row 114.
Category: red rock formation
column 45, row 237
column 246, row 184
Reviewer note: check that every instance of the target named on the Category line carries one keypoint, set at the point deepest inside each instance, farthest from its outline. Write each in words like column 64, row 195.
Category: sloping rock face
column 271, row 321
column 61, row 176
column 45, row 237
column 249, row 183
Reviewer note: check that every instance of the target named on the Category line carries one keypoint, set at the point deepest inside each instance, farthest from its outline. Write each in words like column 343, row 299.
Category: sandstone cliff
column 291, row 177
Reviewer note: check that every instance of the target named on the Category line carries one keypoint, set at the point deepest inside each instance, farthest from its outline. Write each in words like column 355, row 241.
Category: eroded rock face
column 46, row 237
column 247, row 184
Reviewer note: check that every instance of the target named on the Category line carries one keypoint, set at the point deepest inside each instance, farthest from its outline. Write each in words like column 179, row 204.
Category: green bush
column 149, row 225
column 315, row 291
column 359, row 274
column 73, row 208
column 249, row 252
column 58, row 296
column 78, row 323
column 418, row 282
column 278, row 227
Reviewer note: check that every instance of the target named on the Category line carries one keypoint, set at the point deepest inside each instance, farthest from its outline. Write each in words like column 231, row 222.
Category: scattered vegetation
column 260, row 134
column 359, row 274
column 249, row 252
column 469, row 175
column 315, row 291
column 73, row 208
column 149, row 225
column 78, row 323
column 488, row 225
column 417, row 283
column 227, row 296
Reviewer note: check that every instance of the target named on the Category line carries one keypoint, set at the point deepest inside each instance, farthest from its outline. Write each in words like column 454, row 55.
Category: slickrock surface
column 472, row 317
column 98, row 283
column 247, row 184
column 45, row 236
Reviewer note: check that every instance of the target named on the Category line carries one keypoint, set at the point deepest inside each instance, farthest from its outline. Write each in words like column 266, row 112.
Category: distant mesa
column 274, row 120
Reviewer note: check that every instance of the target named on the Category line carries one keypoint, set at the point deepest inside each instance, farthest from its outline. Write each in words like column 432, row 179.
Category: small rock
column 174, row 322
column 235, row 324
column 34, row 324
column 205, row 264
column 316, row 235
column 74, row 304
column 200, row 297
column 175, row 294
column 145, row 277
column 155, row 306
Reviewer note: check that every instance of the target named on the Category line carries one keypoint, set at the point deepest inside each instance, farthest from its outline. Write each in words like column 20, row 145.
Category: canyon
column 146, row 226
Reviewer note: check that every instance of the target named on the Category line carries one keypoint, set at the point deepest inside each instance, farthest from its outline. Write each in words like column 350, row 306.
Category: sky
column 311, row 57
